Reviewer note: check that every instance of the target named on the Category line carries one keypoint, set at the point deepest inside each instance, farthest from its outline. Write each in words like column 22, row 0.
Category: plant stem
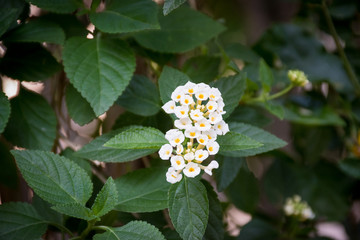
column 348, row 68
column 62, row 228
column 88, row 229
column 263, row 98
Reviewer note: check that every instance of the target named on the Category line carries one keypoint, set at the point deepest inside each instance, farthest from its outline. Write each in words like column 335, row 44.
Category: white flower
column 177, row 139
column 196, row 114
column 203, row 87
column 307, row 213
column 172, row 176
column 190, row 88
column 177, row 94
column 289, row 209
column 211, row 134
column 220, row 106
column 212, row 147
column 201, row 155
column 192, row 132
column 171, row 134
column 165, row 151
column 202, row 95
column 213, row 164
column 191, row 170
column 214, row 94
column 221, row 128
column 215, row 118
column 182, row 111
column 202, row 139
column 183, row 123
column 169, row 107
column 177, row 162
column 211, row 106
column 189, row 156
column 203, row 125
column 186, row 100
column 179, row 149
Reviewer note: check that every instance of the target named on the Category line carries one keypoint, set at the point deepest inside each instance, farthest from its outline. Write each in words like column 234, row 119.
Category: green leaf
column 258, row 229
column 169, row 79
column 134, row 230
column 106, row 199
column 267, row 140
column 138, row 137
column 140, row 97
column 106, row 72
column 266, row 76
column 32, row 122
column 9, row 13
column 47, row 213
column 173, row 37
column 96, row 151
column 20, row 221
column 8, row 170
column 202, row 69
column 232, row 89
column 275, row 109
column 54, row 178
column 228, row 170
column 189, row 208
column 170, row 5
column 63, row 6
column 143, row 190
column 83, row 163
column 239, row 51
column 79, row 109
column 37, row 31
column 28, row 62
column 250, row 114
column 4, row 111
column 76, row 210
column 351, row 166
column 70, row 24
column 215, row 227
column 233, row 141
column 127, row 16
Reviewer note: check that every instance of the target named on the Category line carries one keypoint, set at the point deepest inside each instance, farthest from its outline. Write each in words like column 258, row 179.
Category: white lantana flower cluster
column 295, row 207
column 199, row 109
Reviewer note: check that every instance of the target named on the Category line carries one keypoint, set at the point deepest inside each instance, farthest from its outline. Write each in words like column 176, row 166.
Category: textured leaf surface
column 170, row 78
column 83, row 163
column 9, row 13
column 47, row 213
column 140, row 97
column 233, row 141
column 100, row 69
column 134, row 230
column 28, row 62
column 63, row 6
column 171, row 5
column 228, row 170
column 106, row 199
column 202, row 68
column 96, row 151
column 4, row 111
column 79, row 109
column 127, row 16
column 232, row 89
column 20, row 221
column 269, row 142
column 138, row 138
column 54, row 178
column 143, row 190
column 37, row 31
column 76, row 210
column 265, row 75
column 175, row 30
column 32, row 122
column 189, row 208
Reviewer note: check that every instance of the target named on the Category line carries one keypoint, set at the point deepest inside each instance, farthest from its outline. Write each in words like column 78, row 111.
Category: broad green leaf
column 137, row 137
column 275, row 109
column 351, row 166
column 9, row 13
column 4, row 111
column 239, row 51
column 243, row 192
column 258, row 229
column 232, row 89
column 126, row 16
column 215, row 227
column 32, row 122
column 106, row 72
column 267, row 140
column 173, row 37
column 143, row 190
column 47, row 213
column 79, row 109
column 233, row 141
column 228, row 170
column 76, row 210
column 106, row 199
column 189, row 208
column 63, row 6
column 134, row 230
column 170, row 78
column 54, row 178
column 250, row 114
column 140, row 97
column 96, row 151
column 266, row 76
column 202, row 68
column 8, row 170
column 170, row 5
column 83, row 163
column 20, row 221
column 28, row 62
column 37, row 31
column 70, row 24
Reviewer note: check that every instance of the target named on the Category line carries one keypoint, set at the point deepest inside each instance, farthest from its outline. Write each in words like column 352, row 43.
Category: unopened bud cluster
column 297, row 77
column 199, row 109
column 295, row 207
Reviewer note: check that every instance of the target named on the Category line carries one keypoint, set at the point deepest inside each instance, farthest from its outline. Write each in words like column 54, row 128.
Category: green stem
column 263, row 98
column 62, row 228
column 347, row 65
column 90, row 225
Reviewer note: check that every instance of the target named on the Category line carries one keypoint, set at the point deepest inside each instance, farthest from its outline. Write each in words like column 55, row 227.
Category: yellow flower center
column 192, row 134
column 201, row 96
column 191, row 90
column 182, row 112
column 178, row 96
column 186, row 101
column 201, row 140
column 200, row 155
column 178, row 162
column 191, row 169
column 167, row 152
column 177, row 140
column 211, row 149
column 202, row 124
column 173, row 175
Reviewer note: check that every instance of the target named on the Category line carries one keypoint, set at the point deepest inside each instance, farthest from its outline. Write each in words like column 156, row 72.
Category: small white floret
column 183, row 123
column 165, row 151
column 196, row 114
column 203, row 125
column 191, row 170
column 169, row 107
column 213, row 147
column 172, row 176
column 181, row 111
column 213, row 165
column 192, row 132
column 177, row 162
column 201, row 155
